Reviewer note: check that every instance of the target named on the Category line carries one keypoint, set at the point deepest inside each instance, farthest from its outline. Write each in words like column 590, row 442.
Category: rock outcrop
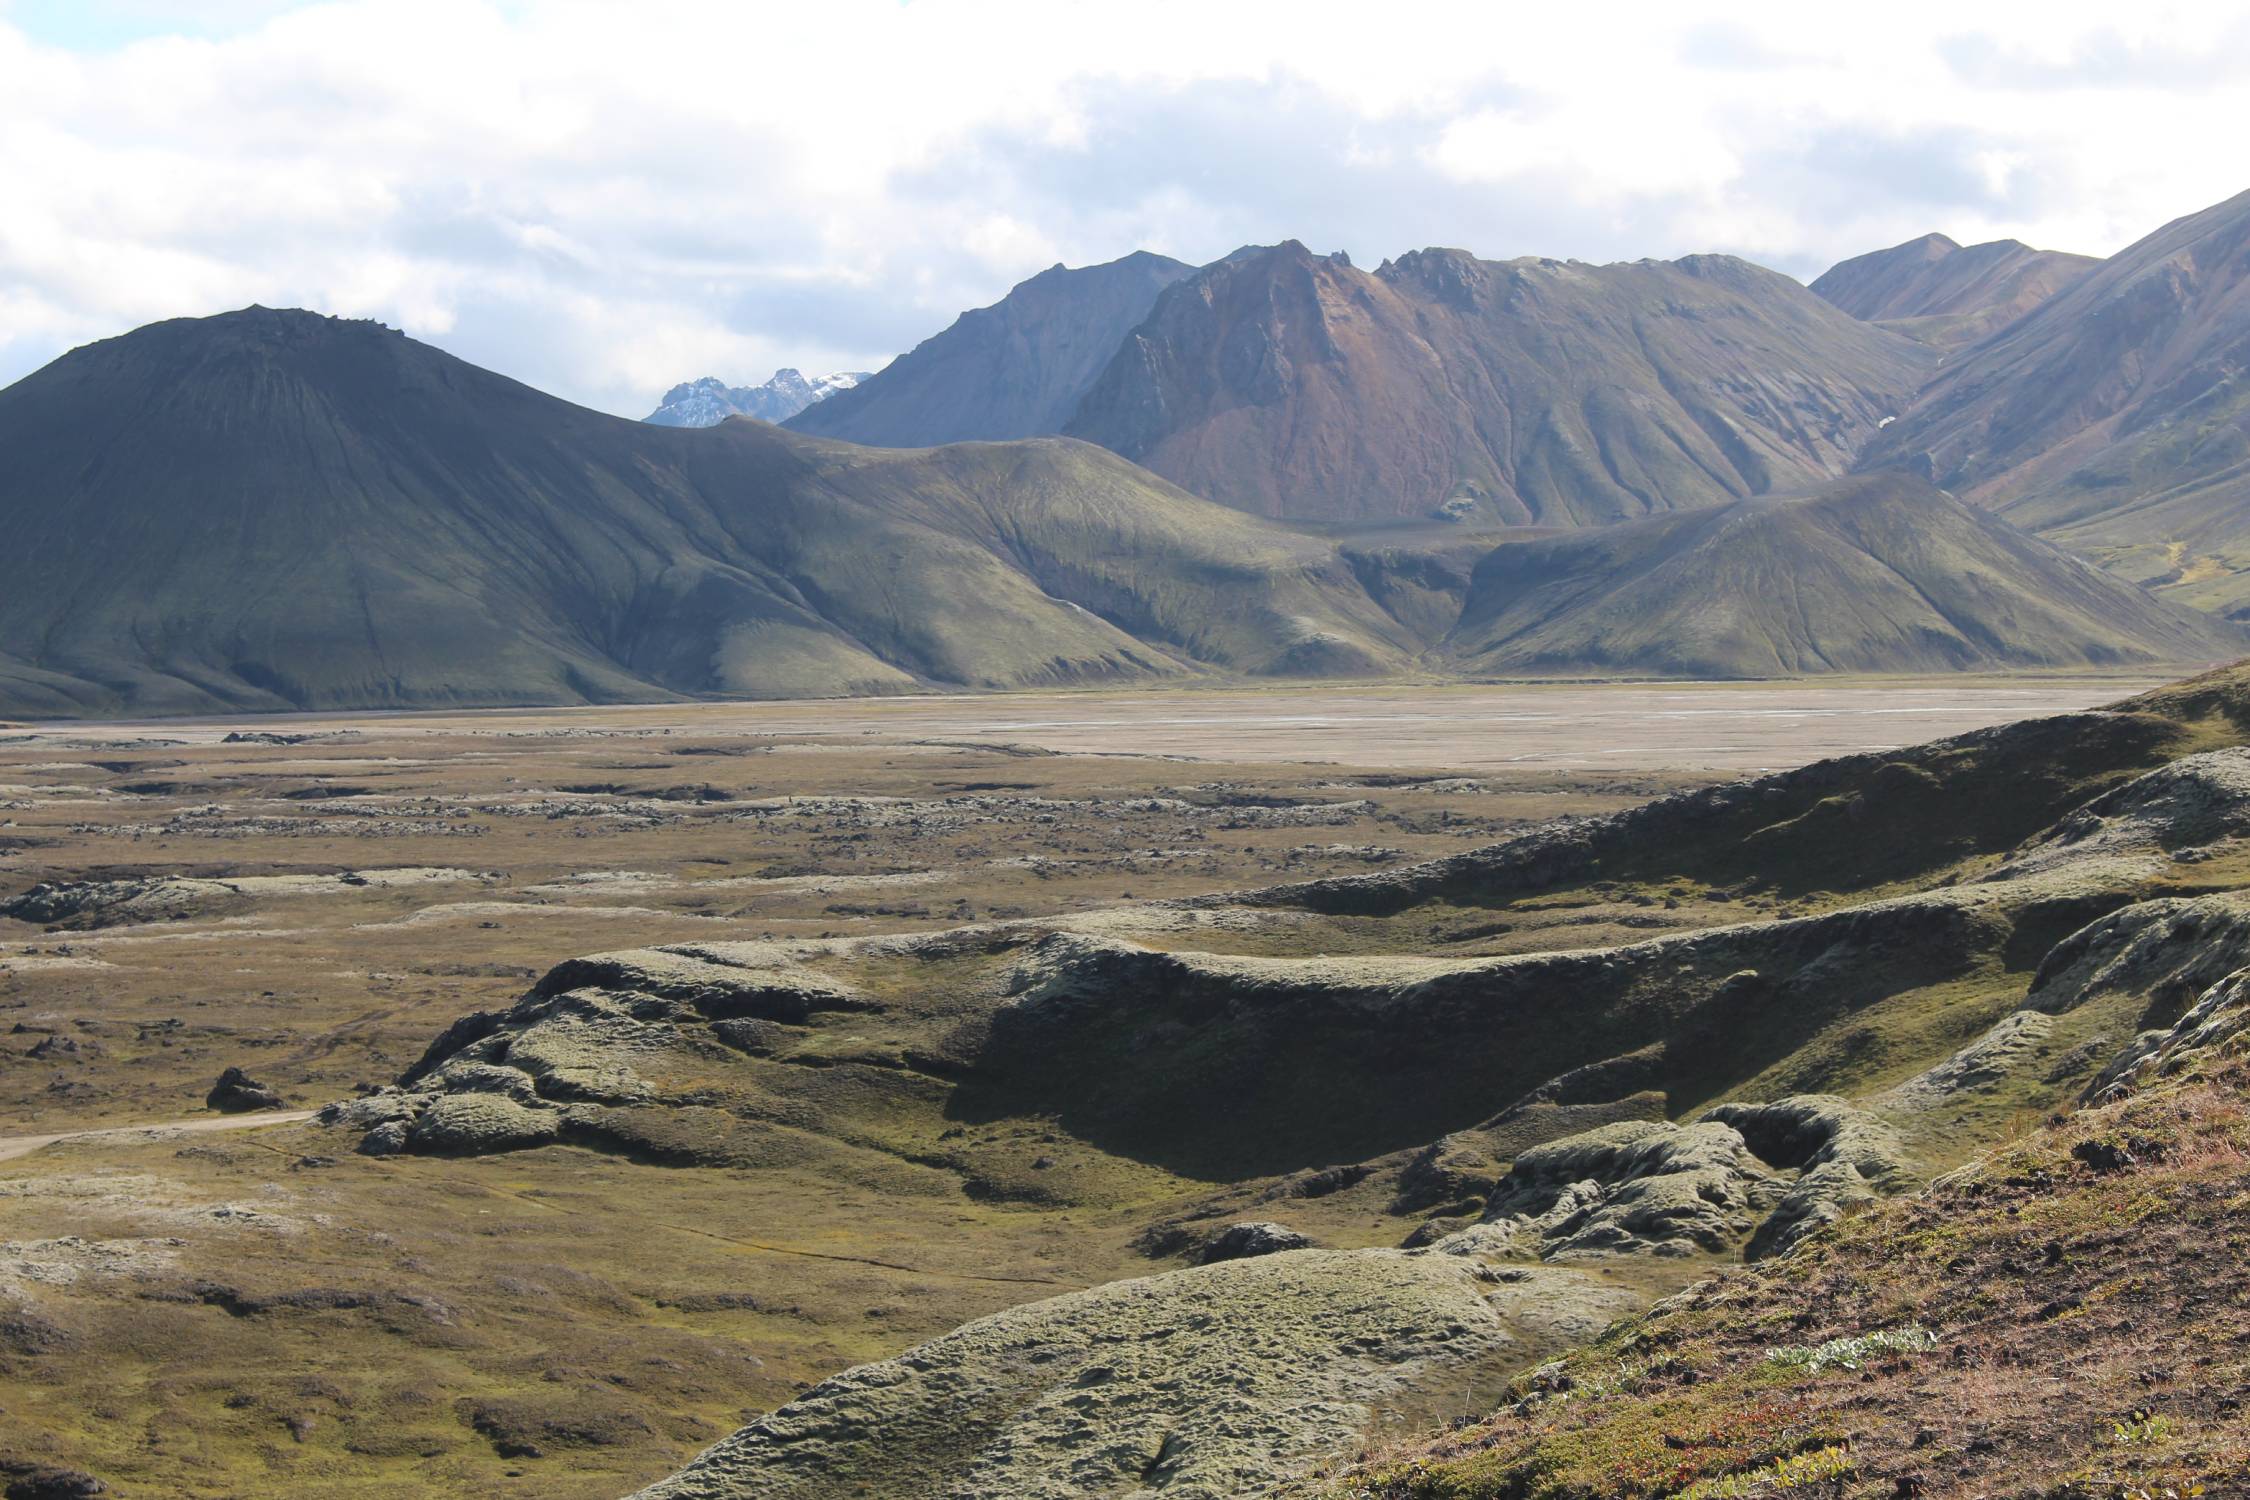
column 237, row 1092
column 1638, row 1187
column 1751, row 1177
column 2163, row 952
column 1938, row 801
column 1247, row 1240
column 2177, row 811
column 2216, row 1020
column 83, row 905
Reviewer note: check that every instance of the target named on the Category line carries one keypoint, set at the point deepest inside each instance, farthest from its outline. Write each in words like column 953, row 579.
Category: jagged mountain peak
column 708, row 401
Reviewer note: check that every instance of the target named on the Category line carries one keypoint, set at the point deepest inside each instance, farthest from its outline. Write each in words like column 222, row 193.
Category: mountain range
column 1276, row 464
column 2094, row 402
column 1296, row 386
column 709, row 401
column 273, row 509
column 270, row 509
column 1522, row 392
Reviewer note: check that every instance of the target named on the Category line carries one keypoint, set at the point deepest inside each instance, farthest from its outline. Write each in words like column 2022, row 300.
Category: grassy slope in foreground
column 2064, row 1319
column 1128, row 1053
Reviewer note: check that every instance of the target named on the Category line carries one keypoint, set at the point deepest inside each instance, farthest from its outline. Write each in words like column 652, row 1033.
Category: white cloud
column 602, row 198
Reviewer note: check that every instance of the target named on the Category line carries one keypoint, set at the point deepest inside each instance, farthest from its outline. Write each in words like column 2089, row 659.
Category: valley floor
column 314, row 900
column 1436, row 727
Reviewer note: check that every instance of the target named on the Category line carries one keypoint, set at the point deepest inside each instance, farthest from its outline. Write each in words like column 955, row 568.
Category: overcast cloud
column 604, row 198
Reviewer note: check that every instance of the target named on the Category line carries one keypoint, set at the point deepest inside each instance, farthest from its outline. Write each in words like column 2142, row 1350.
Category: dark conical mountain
column 1531, row 391
column 1014, row 369
column 280, row 510
column 1875, row 573
column 1947, row 295
column 2115, row 418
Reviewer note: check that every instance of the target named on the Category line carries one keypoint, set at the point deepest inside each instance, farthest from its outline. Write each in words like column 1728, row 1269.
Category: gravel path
column 13, row 1146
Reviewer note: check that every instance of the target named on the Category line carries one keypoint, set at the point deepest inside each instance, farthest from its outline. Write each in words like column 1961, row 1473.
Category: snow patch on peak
column 709, row 401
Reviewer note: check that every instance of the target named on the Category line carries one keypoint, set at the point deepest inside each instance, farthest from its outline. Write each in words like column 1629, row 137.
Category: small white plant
column 1851, row 1353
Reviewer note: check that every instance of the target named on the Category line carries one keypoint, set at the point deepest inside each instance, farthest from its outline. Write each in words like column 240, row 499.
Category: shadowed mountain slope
column 2114, row 419
column 1945, row 294
column 1527, row 391
column 1875, row 573
column 274, row 510
column 1014, row 369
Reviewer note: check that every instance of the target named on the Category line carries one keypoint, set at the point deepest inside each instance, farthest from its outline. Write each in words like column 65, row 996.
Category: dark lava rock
column 25, row 1332
column 2103, row 1156
column 1241, row 1241
column 237, row 1092
column 29, row 1481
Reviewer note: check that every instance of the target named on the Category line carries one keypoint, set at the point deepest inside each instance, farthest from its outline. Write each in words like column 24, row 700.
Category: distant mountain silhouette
column 1014, row 369
column 1945, row 294
column 709, row 401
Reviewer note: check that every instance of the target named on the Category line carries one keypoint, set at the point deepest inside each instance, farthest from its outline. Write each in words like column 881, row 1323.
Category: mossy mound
column 1196, row 1385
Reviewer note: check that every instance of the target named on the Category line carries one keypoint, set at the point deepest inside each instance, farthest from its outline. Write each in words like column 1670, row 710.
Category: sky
column 603, row 198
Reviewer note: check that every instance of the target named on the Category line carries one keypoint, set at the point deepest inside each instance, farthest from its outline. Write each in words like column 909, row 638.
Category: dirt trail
column 13, row 1146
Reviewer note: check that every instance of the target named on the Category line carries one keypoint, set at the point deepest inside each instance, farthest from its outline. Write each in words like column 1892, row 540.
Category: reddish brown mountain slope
column 1294, row 385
